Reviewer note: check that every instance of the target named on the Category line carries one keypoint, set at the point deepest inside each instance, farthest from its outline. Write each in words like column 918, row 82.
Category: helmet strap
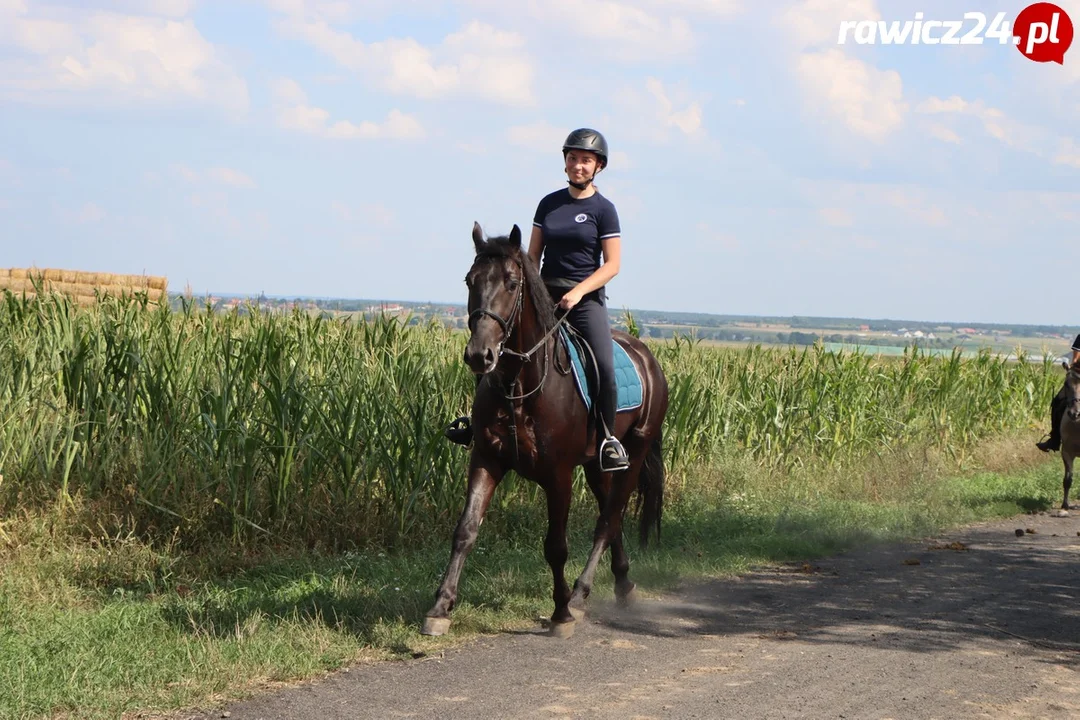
column 586, row 184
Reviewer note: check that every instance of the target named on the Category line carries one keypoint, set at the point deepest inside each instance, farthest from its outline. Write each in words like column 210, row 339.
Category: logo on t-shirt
column 581, row 218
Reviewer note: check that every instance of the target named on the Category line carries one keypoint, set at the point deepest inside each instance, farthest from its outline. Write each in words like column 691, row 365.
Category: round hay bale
column 69, row 276
column 18, row 273
column 5, row 272
column 67, row 288
column 84, row 300
column 53, row 274
column 159, row 283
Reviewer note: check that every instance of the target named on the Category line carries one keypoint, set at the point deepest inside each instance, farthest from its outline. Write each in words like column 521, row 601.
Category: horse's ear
column 478, row 237
column 515, row 236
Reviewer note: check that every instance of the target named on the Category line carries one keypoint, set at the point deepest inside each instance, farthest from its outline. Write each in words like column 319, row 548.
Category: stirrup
column 459, row 431
column 613, row 456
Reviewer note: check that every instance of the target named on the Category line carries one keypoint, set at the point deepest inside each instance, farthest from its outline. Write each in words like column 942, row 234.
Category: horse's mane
column 501, row 247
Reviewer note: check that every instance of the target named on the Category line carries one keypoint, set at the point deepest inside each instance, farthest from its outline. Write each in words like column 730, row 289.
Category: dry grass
column 83, row 287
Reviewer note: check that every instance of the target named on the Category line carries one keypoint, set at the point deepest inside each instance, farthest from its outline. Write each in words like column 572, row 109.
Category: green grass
column 194, row 504
column 100, row 626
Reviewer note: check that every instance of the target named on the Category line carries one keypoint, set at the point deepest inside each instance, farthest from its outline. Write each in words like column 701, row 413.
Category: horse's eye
column 514, row 283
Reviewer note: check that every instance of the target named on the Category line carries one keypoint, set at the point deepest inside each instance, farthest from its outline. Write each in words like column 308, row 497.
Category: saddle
column 628, row 383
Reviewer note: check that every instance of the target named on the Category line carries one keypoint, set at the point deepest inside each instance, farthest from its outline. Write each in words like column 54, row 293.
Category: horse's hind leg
column 600, row 484
column 609, row 529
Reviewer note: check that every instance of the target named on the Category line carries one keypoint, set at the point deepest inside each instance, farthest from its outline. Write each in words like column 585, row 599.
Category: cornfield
column 256, row 423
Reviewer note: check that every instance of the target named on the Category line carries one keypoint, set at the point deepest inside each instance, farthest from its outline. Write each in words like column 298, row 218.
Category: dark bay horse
column 1070, row 429
column 528, row 417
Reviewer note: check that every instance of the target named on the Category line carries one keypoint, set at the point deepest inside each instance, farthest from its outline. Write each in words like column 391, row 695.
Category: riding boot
column 612, row 454
column 460, row 431
column 1057, row 412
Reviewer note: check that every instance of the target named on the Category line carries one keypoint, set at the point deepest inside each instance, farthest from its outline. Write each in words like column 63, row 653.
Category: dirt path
column 983, row 629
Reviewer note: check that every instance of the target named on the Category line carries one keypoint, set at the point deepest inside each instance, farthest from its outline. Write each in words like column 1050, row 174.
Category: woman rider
column 572, row 229
column 1057, row 409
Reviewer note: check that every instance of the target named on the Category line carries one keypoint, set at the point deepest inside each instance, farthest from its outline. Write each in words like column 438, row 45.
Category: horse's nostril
column 489, row 356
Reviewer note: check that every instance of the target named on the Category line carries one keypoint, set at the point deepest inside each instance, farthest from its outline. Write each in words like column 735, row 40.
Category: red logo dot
column 1043, row 32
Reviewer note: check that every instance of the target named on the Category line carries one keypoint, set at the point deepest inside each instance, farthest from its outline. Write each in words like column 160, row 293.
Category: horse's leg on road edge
column 484, row 475
column 1066, row 483
column 558, row 488
column 609, row 531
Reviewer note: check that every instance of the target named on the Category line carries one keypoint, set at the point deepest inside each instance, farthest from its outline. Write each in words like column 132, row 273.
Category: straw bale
column 85, row 299
column 69, row 276
column 53, row 274
column 159, row 283
column 18, row 274
column 5, row 272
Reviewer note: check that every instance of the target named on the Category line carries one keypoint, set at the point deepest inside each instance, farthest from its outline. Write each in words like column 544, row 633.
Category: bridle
column 508, row 326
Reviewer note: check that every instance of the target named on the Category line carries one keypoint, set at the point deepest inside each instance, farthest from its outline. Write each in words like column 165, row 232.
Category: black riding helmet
column 587, row 139
column 591, row 140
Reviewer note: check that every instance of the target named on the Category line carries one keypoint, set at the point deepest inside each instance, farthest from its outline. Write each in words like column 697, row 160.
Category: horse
column 1070, row 427
column 527, row 417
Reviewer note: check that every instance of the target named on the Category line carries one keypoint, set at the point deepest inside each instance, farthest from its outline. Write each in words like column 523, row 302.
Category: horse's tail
column 651, row 492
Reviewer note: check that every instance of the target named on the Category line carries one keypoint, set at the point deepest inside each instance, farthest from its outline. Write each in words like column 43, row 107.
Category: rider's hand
column 570, row 299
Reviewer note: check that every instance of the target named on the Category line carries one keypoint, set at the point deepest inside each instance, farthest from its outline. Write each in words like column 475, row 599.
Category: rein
column 508, row 328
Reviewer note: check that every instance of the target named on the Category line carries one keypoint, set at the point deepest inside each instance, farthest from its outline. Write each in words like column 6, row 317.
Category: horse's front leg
column 484, row 476
column 558, row 487
column 1067, row 457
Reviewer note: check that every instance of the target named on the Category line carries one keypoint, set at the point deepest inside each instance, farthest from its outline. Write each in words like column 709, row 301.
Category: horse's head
column 1072, row 391
column 496, row 284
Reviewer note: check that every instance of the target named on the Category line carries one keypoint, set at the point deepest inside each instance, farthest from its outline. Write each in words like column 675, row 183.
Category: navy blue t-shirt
column 573, row 231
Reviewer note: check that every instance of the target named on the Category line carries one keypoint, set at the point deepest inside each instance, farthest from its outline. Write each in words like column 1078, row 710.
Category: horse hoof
column 577, row 612
column 628, row 598
column 562, row 630
column 435, row 626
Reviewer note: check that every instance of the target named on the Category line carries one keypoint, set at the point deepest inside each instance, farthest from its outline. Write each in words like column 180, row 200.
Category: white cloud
column 90, row 213
column 836, row 217
column 868, row 101
column 687, row 120
column 228, row 176
column 944, row 134
column 478, row 60
column 294, row 113
column 626, row 31
column 167, row 8
column 1068, row 154
column 914, row 202
column 816, row 23
column 720, row 8
column 541, row 137
column 62, row 55
column 1038, row 141
column 654, row 111
column 215, row 175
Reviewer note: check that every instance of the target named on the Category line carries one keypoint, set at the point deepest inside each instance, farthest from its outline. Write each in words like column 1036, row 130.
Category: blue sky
column 345, row 147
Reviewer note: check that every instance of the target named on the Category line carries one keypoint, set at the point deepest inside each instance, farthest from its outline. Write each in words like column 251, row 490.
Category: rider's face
column 580, row 165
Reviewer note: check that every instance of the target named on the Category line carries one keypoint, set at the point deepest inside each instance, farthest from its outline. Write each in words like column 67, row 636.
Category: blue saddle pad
column 627, row 380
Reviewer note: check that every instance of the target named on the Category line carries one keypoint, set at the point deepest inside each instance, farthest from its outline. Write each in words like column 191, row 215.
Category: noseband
column 507, row 325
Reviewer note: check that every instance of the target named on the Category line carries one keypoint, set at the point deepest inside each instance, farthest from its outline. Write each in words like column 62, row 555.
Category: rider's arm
column 536, row 246
column 610, row 268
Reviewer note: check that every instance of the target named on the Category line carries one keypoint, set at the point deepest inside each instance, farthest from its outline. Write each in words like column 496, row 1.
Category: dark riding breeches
column 590, row 318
